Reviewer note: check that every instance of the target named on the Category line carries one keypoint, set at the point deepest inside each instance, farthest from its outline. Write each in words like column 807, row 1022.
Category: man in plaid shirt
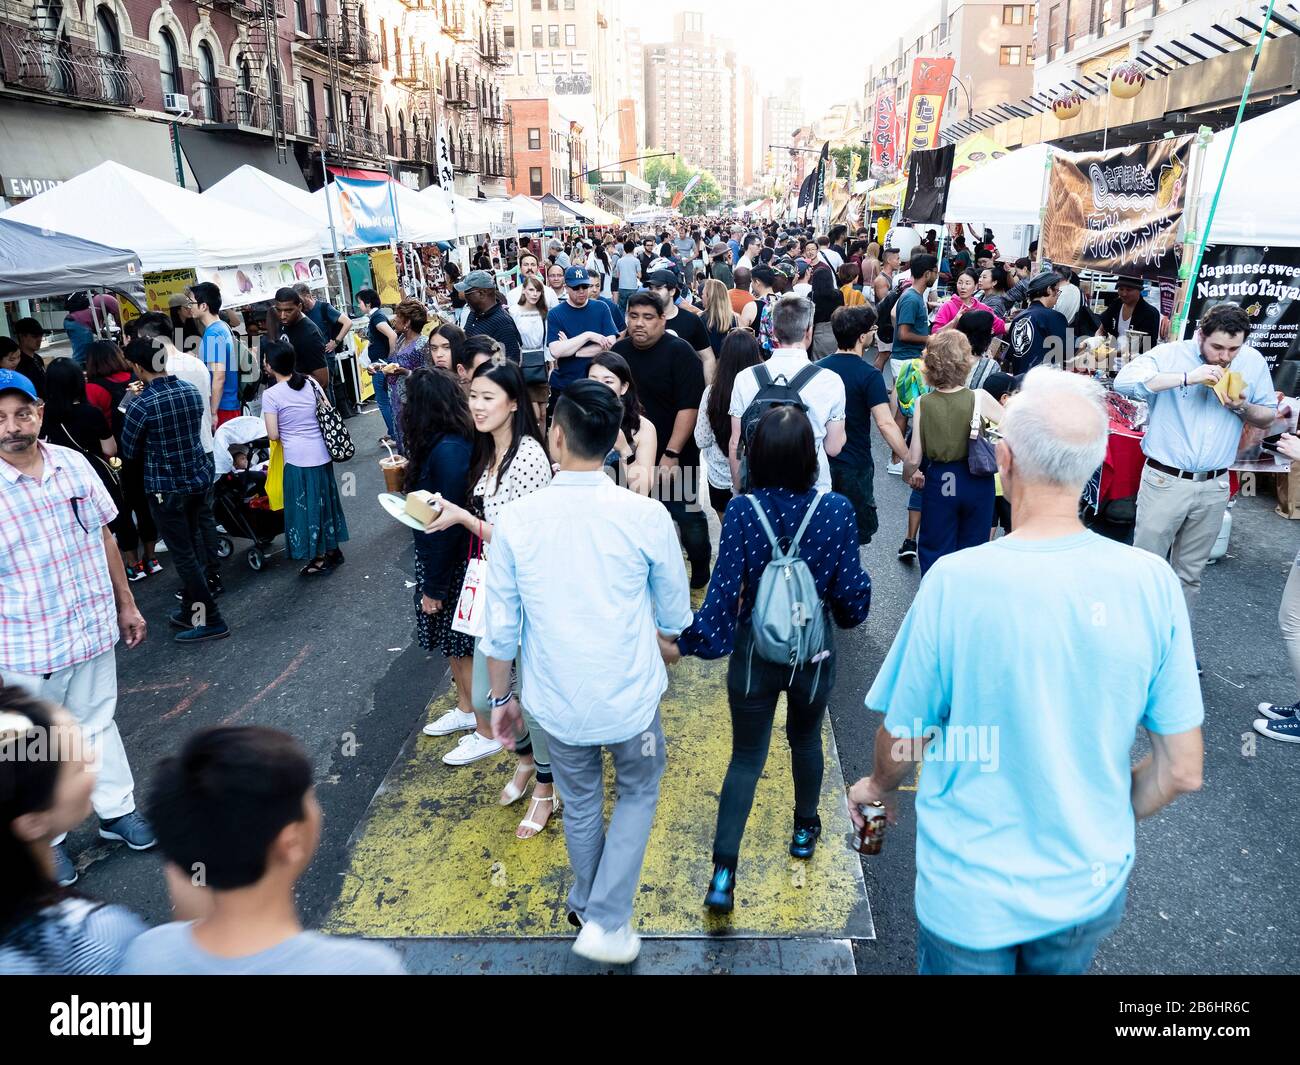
column 65, row 601
column 164, row 425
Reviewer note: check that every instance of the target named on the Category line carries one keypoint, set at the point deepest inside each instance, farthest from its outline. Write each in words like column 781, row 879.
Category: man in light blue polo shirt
column 1192, row 436
column 1027, row 800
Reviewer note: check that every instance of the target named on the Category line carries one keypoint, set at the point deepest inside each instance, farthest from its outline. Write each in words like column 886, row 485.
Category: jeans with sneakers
column 1068, row 952
column 533, row 739
column 606, row 863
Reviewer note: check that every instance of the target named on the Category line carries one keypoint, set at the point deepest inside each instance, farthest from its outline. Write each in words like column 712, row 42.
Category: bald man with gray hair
column 1026, row 811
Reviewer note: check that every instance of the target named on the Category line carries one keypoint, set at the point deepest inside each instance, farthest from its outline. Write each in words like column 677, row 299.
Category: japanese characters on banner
column 257, row 282
column 1262, row 281
column 884, row 132
column 930, row 79
column 446, row 174
column 1119, row 212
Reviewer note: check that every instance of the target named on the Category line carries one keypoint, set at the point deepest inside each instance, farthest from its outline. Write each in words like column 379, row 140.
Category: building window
column 401, row 133
column 508, row 36
column 553, row 36
column 113, row 82
column 1009, row 55
column 300, row 15
column 308, row 91
column 208, row 81
column 568, row 5
column 1013, row 14
column 570, row 35
column 534, row 181
column 388, row 130
column 534, row 140
column 537, row 5
column 169, row 63
column 537, row 36
column 552, row 5
column 322, row 20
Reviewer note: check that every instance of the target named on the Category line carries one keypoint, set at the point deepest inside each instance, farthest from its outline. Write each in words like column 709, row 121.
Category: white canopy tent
column 1004, row 192
column 1267, row 148
column 470, row 217
column 527, row 213
column 256, row 190
column 168, row 227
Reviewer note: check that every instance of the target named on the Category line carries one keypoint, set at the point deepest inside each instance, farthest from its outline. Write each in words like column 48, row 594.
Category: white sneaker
column 451, row 721
column 470, row 749
column 896, row 468
column 619, row 947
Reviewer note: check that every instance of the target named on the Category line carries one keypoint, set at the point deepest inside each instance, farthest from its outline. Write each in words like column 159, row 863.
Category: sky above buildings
column 826, row 43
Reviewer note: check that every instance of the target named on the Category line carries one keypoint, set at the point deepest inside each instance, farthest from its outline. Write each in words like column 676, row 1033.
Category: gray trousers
column 1288, row 617
column 1180, row 519
column 607, row 864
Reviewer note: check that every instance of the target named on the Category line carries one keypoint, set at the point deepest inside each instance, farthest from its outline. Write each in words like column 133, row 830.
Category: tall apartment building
column 284, row 85
column 635, row 77
column 691, row 99
column 550, row 150
column 782, row 115
column 991, row 44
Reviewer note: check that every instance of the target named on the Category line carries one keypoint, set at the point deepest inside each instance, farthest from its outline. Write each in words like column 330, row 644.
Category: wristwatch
column 669, row 453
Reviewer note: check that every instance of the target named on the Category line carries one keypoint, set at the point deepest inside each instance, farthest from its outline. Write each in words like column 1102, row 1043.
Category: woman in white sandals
column 508, row 462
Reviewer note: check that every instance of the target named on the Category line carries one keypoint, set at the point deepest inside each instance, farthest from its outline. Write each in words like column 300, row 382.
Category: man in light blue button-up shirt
column 581, row 575
column 1192, row 436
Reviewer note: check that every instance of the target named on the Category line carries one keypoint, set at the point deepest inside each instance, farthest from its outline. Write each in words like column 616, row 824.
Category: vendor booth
column 36, row 263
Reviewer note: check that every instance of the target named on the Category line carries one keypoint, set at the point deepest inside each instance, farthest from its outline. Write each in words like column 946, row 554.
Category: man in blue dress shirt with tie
column 1192, row 436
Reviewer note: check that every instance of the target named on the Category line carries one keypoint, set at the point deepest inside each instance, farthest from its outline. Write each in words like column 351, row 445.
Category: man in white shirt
column 822, row 394
column 1068, row 296
column 749, row 256
column 528, row 268
column 590, row 656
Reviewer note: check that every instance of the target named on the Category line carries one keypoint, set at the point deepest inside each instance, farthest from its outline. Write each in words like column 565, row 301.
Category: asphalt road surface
column 332, row 660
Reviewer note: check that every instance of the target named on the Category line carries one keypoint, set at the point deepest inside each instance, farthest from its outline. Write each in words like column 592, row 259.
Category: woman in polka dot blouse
column 783, row 470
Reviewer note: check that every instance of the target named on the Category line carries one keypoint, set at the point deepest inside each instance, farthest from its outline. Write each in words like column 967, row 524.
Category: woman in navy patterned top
column 783, row 473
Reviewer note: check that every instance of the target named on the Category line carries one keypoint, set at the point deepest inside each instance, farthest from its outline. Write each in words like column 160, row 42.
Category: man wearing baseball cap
column 67, row 601
column 1039, row 331
column 576, row 330
column 487, row 317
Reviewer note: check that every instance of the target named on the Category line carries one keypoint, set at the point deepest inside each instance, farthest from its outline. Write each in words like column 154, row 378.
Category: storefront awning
column 213, row 155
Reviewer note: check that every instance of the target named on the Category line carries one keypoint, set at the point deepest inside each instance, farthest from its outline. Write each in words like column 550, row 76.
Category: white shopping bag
column 471, row 607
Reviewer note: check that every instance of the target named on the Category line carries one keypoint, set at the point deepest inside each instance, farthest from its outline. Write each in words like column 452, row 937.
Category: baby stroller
column 239, row 502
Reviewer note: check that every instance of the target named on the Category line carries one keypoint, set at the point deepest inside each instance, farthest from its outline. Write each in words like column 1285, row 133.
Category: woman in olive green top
column 957, row 507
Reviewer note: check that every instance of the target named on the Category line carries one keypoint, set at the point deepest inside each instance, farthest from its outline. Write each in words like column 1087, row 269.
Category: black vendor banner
column 929, row 173
column 1262, row 281
column 1119, row 212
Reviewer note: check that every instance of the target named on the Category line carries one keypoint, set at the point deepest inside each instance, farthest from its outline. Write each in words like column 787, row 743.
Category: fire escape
column 38, row 56
column 496, row 120
column 349, row 49
column 257, row 99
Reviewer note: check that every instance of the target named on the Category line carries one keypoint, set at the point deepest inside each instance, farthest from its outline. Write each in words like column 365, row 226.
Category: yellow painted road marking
column 438, row 857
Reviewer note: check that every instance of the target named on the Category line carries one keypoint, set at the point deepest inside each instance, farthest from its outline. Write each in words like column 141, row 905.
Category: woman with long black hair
column 740, row 350
column 46, row 930
column 508, row 463
column 783, row 504
column 439, row 438
column 637, row 438
column 314, row 524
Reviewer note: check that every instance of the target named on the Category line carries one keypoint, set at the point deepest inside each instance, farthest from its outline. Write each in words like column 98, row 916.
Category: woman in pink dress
column 962, row 301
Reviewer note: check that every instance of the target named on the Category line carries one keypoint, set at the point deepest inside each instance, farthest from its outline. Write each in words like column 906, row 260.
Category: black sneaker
column 721, row 896
column 907, row 553
column 804, row 841
column 1274, row 712
column 699, row 577
column 132, row 829
column 199, row 633
column 215, row 588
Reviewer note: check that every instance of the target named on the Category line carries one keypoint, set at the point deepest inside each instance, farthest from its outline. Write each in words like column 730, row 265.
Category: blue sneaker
column 64, row 871
column 721, row 896
column 1287, row 730
column 804, row 842
column 1276, row 712
column 199, row 633
column 132, row 829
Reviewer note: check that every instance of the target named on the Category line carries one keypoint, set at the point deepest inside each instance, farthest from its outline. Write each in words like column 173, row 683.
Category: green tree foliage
column 675, row 173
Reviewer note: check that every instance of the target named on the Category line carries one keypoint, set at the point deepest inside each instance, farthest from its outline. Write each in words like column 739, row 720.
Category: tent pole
column 334, row 237
column 1180, row 319
column 1047, row 189
column 1192, row 230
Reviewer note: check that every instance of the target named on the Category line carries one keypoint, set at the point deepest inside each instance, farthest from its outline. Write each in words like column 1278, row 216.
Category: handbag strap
column 975, row 414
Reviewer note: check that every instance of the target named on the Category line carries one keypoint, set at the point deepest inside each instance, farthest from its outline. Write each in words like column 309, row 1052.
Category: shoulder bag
column 981, row 459
column 338, row 441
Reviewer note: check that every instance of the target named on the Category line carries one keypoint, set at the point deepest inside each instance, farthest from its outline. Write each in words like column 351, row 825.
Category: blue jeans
column 956, row 509
column 1068, row 952
column 382, row 401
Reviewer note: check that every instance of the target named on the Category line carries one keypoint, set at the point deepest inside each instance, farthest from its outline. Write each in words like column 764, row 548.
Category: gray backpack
column 789, row 621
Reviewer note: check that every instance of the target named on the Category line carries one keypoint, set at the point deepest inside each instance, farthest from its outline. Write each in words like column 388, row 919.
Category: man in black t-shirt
column 669, row 380
column 486, row 315
column 307, row 341
column 667, row 286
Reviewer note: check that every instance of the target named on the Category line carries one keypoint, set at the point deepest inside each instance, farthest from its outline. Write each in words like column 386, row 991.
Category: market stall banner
column 161, row 285
column 257, row 282
column 884, row 132
column 365, row 211
column 929, row 174
column 359, row 271
column 1119, row 212
column 930, row 79
column 1262, row 281
column 384, row 267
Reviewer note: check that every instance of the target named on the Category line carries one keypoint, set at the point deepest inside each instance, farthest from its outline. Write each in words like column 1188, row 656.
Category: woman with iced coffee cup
column 437, row 431
column 314, row 524
column 509, row 462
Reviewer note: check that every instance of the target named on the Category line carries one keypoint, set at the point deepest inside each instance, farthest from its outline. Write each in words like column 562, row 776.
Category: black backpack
column 778, row 393
column 885, row 317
